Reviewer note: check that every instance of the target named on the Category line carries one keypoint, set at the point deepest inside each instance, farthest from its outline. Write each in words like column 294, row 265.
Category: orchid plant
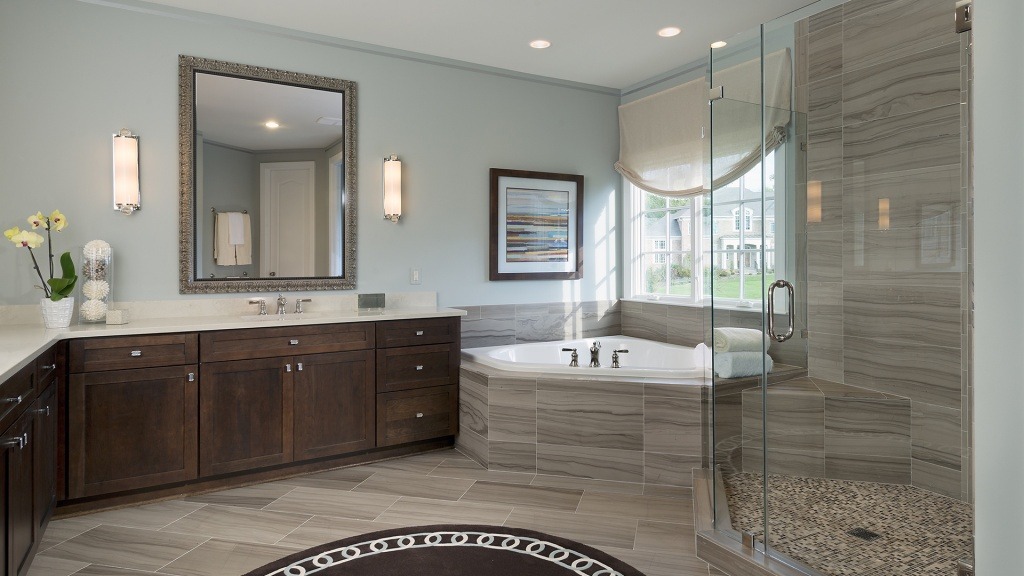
column 56, row 288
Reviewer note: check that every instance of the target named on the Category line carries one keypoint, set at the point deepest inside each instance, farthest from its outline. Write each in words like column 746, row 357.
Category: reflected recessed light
column 719, row 44
column 669, row 32
column 540, row 44
column 272, row 124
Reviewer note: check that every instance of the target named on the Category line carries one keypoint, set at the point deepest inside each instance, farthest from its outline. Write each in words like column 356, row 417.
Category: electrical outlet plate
column 414, row 276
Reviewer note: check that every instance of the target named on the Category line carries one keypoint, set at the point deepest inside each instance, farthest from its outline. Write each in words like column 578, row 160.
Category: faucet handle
column 262, row 303
column 298, row 304
column 620, row 351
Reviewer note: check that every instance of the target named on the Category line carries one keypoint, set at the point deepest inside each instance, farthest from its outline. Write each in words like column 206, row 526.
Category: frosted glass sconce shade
column 127, row 198
column 392, row 188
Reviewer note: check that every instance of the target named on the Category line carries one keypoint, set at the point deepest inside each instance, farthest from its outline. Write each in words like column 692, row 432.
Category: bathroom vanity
column 107, row 416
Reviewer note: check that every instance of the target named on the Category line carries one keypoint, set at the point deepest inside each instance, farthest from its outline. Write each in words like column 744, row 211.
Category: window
column 733, row 253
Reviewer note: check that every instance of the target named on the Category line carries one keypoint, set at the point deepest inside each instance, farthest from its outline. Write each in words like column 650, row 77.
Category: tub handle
column 575, row 361
column 615, row 357
column 771, row 310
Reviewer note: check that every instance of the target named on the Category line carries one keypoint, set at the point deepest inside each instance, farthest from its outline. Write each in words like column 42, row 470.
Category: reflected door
column 287, row 224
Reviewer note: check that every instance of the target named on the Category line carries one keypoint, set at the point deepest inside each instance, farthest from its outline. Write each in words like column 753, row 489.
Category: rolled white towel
column 740, row 364
column 740, row 340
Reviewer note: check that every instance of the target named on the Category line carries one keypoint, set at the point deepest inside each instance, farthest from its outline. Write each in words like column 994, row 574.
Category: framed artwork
column 536, row 225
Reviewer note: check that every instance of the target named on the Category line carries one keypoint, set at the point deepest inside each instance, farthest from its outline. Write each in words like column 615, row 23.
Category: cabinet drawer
column 285, row 341
column 16, row 393
column 411, row 415
column 46, row 364
column 419, row 331
column 417, row 367
column 122, row 352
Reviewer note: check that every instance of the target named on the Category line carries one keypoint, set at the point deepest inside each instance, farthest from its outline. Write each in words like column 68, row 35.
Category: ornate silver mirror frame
column 188, row 66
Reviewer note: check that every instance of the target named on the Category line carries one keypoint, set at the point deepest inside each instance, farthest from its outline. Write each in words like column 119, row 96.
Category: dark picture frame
column 536, row 225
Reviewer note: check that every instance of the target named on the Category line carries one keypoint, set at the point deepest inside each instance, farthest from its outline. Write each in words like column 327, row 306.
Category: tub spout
column 575, row 361
column 595, row 352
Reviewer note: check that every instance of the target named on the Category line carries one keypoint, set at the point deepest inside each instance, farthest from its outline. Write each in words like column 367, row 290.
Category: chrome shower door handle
column 771, row 310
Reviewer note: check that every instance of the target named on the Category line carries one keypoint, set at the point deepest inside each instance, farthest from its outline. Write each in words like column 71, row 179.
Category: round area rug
column 450, row 550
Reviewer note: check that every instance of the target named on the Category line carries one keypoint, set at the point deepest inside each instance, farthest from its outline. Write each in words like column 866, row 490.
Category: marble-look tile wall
column 887, row 264
column 628, row 430
column 498, row 325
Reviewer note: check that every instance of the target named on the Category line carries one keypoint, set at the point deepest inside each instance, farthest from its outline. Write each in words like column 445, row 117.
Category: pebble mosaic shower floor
column 920, row 533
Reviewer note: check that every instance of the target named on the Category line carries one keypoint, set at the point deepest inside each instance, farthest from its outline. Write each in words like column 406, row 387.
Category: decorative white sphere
column 93, row 310
column 96, row 250
column 96, row 289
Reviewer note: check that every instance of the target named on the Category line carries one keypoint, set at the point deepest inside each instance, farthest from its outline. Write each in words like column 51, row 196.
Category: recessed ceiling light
column 272, row 124
column 540, row 44
column 669, row 32
column 719, row 44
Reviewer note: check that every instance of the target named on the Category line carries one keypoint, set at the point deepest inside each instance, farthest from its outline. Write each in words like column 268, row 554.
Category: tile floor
column 920, row 533
column 234, row 531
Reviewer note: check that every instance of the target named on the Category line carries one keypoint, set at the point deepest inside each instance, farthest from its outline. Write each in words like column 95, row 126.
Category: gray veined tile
column 672, row 426
column 473, row 408
column 545, row 327
column 825, row 53
column 590, row 462
column 923, row 139
column 895, row 256
column 341, row 479
column 315, row 501
column 825, row 256
column 240, row 524
column 929, row 374
column 867, row 426
column 471, row 470
column 896, row 29
column 930, row 197
column 103, row 570
column 593, row 420
column 825, row 19
column 519, row 495
column 670, row 469
column 223, row 558
column 126, row 547
column 808, row 463
column 654, row 564
column 666, row 538
column 48, row 566
column 867, row 468
column 825, row 307
column 58, row 531
column 512, row 415
column 398, row 483
column 825, row 213
column 323, row 529
column 419, row 511
column 512, row 457
column 473, row 445
column 255, row 497
column 925, row 80
column 939, row 479
column 936, row 434
column 589, row 484
column 149, row 516
column 911, row 314
column 825, row 104
column 589, row 529
column 639, row 506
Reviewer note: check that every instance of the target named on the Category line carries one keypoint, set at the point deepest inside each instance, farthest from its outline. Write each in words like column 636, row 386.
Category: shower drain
column 864, row 534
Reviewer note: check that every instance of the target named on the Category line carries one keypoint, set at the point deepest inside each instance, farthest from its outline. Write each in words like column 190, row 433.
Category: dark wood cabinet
column 245, row 414
column 131, row 429
column 44, row 454
column 18, row 444
column 334, row 404
column 410, row 415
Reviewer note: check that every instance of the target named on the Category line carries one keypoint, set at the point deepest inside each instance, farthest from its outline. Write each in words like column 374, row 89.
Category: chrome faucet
column 298, row 304
column 262, row 303
column 281, row 301
column 595, row 351
column 615, row 357
column 574, row 362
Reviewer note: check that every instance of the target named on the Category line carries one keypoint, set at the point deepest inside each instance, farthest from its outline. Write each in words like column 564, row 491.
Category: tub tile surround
column 598, row 428
column 504, row 324
column 889, row 308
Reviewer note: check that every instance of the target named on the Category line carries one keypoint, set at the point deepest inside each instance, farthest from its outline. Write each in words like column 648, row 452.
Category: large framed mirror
column 268, row 179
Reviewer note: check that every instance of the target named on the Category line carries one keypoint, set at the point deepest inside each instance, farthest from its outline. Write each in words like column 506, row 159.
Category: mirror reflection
column 271, row 179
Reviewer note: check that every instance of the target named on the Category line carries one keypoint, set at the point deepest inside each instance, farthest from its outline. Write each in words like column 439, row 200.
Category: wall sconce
column 883, row 213
column 392, row 188
column 814, row 201
column 127, row 198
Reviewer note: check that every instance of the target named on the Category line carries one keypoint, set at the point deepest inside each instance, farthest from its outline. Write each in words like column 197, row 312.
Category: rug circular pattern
column 450, row 550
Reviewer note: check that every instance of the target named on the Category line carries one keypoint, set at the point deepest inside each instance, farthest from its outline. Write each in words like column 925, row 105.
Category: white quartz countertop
column 20, row 344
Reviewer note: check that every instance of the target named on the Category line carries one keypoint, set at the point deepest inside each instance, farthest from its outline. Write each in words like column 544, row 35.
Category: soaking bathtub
column 645, row 359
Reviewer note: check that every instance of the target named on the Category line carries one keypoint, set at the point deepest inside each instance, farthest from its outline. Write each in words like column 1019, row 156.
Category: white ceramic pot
column 57, row 314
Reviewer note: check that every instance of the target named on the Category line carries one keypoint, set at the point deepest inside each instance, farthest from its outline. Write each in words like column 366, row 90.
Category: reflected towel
column 740, row 340
column 225, row 251
column 243, row 251
column 236, row 235
column 740, row 364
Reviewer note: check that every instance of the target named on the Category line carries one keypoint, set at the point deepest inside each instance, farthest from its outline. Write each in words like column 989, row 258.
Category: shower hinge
column 964, row 568
column 716, row 93
column 963, row 16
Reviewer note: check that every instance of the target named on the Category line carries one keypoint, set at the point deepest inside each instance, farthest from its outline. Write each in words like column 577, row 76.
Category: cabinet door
column 245, row 415
column 334, row 404
column 21, row 526
column 44, row 454
column 131, row 429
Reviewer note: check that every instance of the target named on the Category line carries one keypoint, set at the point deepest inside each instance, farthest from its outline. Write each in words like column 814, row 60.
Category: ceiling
column 608, row 43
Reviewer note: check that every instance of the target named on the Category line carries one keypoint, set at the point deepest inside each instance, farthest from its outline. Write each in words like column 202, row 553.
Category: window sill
column 735, row 305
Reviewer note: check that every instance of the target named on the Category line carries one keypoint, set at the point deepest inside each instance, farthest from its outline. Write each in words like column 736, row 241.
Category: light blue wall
column 74, row 73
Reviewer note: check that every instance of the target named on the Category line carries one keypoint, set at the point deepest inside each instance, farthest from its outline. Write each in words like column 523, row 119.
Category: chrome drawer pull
column 136, row 353
column 14, row 400
column 299, row 366
column 419, row 414
column 19, row 441
column 293, row 342
column 44, row 411
column 287, row 367
column 419, row 367
column 49, row 367
column 419, row 332
column 191, row 376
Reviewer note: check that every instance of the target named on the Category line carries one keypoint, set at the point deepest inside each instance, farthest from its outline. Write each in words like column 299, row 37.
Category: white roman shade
column 661, row 146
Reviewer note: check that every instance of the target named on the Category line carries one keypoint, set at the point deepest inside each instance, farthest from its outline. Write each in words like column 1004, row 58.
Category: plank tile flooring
column 234, row 531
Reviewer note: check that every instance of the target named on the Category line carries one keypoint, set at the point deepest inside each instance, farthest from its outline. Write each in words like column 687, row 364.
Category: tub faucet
column 595, row 351
column 281, row 301
column 615, row 357
column 574, row 362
